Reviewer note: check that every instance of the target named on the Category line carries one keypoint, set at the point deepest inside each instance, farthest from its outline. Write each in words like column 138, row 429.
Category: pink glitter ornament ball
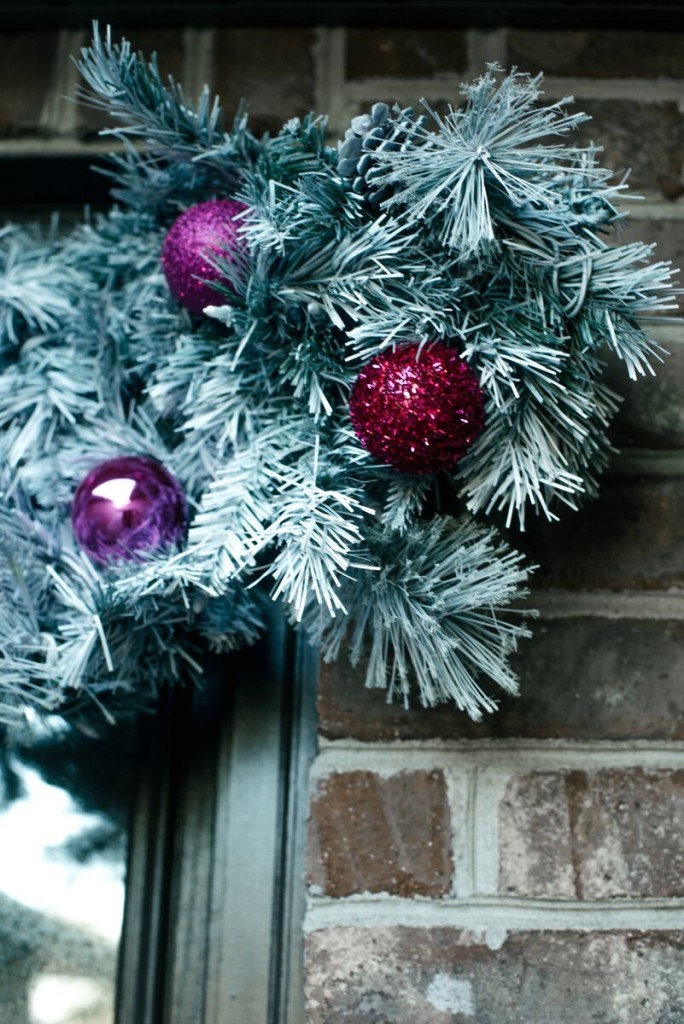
column 206, row 229
column 126, row 506
column 417, row 410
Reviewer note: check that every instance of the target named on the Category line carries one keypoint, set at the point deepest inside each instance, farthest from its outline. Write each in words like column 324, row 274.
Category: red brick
column 644, row 138
column 374, row 834
column 598, row 54
column 418, row 53
column 27, row 61
column 271, row 69
column 631, row 537
column 447, row 976
column 593, row 835
column 651, row 415
column 667, row 235
column 580, row 678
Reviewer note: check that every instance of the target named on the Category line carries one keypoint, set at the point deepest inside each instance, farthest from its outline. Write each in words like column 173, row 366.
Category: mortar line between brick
column 491, row 783
column 639, row 89
column 330, row 86
column 666, row 334
column 198, row 61
column 602, row 604
column 642, row 462
column 59, row 114
column 58, row 146
column 503, row 755
column 446, row 85
column 461, row 797
column 485, row 48
column 493, row 918
column 645, row 205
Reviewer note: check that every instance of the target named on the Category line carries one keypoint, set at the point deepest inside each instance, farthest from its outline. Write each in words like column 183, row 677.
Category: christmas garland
column 278, row 369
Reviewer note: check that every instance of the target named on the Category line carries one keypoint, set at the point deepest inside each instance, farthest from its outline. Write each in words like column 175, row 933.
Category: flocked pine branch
column 490, row 233
column 234, row 620
column 37, row 289
column 132, row 91
column 487, row 156
column 435, row 616
column 66, row 641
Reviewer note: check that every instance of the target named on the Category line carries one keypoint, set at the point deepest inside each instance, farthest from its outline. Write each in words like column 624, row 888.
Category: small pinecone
column 382, row 129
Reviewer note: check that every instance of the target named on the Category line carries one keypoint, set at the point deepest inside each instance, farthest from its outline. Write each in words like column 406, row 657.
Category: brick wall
column 529, row 869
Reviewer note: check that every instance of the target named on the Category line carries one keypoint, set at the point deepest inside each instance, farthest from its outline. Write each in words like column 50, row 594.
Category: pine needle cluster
column 484, row 229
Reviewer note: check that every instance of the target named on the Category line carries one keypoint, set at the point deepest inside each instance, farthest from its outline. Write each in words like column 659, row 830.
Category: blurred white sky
column 45, row 879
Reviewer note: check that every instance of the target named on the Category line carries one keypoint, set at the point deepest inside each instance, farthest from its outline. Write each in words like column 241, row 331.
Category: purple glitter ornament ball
column 206, row 229
column 126, row 506
column 418, row 410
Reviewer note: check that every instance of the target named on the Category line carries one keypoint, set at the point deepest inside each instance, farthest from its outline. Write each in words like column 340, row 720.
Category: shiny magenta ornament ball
column 127, row 506
column 417, row 409
column 205, row 230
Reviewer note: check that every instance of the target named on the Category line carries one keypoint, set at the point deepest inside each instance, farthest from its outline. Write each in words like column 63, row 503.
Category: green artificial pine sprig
column 132, row 91
column 431, row 610
column 35, row 294
column 484, row 159
column 485, row 230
